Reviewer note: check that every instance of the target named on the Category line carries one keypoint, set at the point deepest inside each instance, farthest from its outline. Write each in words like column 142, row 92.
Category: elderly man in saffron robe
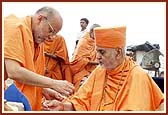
column 24, row 54
column 118, row 84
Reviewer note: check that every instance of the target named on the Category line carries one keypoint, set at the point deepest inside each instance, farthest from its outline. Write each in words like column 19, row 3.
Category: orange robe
column 19, row 46
column 128, row 87
column 58, row 69
column 84, row 53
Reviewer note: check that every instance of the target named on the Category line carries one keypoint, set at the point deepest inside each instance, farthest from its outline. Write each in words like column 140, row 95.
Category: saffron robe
column 19, row 46
column 128, row 87
column 85, row 52
column 58, row 68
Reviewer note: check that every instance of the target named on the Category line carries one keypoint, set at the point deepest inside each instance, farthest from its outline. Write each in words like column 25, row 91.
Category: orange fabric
column 84, row 53
column 108, row 91
column 110, row 37
column 19, row 46
column 58, row 69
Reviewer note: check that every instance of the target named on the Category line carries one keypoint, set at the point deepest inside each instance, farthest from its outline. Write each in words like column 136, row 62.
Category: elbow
column 11, row 73
column 14, row 74
column 13, row 69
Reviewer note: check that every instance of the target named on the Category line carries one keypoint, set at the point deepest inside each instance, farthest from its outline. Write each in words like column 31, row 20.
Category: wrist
column 53, row 83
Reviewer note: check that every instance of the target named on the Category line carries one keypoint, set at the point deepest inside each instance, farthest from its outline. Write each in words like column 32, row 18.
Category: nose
column 99, row 56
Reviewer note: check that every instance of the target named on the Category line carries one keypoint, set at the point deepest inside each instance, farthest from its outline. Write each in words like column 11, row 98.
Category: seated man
column 118, row 84
column 84, row 60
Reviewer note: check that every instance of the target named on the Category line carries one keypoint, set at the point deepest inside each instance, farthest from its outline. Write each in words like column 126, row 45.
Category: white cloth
column 15, row 106
column 81, row 34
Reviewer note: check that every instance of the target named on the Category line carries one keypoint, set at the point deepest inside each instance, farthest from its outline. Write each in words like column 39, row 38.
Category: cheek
column 42, row 29
column 108, row 61
column 38, row 30
column 105, row 61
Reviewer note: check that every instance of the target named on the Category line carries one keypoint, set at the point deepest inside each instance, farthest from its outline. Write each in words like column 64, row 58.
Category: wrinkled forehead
column 104, row 49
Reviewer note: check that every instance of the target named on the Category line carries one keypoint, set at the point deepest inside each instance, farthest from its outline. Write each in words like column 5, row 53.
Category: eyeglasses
column 53, row 32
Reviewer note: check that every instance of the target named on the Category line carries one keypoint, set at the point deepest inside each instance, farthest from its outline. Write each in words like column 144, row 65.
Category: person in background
column 84, row 60
column 118, row 84
column 83, row 23
column 24, row 54
column 57, row 60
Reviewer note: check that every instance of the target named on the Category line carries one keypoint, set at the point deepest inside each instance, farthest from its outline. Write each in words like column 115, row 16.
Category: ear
column 39, row 18
column 119, row 53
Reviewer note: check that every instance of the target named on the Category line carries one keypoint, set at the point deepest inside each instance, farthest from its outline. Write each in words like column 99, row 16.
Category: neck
column 83, row 29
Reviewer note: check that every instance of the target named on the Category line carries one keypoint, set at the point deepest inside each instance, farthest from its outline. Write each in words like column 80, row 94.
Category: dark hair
column 85, row 19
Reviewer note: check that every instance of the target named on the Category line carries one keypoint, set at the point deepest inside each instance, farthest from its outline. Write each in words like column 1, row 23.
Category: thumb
column 53, row 103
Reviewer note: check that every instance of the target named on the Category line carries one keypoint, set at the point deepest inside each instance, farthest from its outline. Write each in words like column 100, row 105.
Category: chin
column 102, row 66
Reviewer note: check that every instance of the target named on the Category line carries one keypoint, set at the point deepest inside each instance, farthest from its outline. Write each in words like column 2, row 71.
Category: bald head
column 46, row 23
column 53, row 17
column 91, row 30
column 93, row 26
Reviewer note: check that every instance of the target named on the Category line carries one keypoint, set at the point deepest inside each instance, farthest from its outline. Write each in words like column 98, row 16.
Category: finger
column 65, row 93
column 61, row 97
column 71, row 86
column 46, row 109
column 44, row 105
column 58, row 96
column 53, row 103
column 70, row 91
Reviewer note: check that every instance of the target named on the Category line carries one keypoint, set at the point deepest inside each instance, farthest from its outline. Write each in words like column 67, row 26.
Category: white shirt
column 81, row 34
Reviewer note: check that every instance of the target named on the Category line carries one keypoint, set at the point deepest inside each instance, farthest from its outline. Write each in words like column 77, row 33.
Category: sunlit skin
column 43, row 31
column 109, row 58
column 45, row 28
column 83, row 24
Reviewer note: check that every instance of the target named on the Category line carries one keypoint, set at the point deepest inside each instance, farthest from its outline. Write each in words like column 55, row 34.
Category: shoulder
column 14, row 24
column 13, row 20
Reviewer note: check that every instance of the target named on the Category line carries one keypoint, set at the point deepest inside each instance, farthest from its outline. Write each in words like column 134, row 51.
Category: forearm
column 28, row 77
column 16, row 72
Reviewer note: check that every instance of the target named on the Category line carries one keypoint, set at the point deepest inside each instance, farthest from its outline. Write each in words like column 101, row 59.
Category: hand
column 53, row 105
column 50, row 94
column 64, row 87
